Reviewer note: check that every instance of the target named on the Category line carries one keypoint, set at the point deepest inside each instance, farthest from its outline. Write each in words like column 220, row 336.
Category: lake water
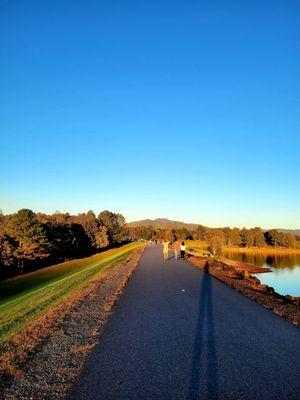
column 285, row 275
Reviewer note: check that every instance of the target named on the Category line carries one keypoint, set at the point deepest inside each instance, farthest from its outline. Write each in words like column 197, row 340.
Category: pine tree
column 29, row 234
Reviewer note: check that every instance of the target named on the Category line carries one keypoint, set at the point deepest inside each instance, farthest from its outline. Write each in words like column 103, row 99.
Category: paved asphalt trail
column 178, row 333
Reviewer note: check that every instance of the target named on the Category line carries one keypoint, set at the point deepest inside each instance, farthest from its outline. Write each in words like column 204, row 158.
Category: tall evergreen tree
column 29, row 234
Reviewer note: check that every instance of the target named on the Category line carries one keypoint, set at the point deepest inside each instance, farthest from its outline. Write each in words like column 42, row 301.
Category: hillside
column 293, row 231
column 163, row 223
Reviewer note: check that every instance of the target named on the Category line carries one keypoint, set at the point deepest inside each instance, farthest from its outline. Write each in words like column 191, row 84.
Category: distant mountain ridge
column 163, row 223
column 293, row 231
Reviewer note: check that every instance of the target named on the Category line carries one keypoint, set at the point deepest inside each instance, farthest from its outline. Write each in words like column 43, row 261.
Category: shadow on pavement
column 204, row 361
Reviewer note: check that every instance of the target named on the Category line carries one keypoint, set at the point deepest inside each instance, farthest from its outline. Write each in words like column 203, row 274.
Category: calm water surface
column 285, row 275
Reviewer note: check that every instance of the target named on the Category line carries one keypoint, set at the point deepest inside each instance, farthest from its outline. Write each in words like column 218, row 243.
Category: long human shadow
column 204, row 340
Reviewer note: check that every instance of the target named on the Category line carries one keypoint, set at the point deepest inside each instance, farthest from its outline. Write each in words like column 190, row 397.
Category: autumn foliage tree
column 7, row 250
column 29, row 240
column 115, row 224
column 232, row 237
column 94, row 229
column 216, row 240
column 170, row 235
column 102, row 238
column 259, row 237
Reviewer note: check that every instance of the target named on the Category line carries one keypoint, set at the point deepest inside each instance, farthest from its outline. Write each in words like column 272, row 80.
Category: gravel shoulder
column 74, row 329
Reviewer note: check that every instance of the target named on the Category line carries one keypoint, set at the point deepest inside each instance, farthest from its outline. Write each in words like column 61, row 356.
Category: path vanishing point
column 178, row 333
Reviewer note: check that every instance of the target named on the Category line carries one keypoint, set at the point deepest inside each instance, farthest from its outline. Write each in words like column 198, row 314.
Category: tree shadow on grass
column 204, row 360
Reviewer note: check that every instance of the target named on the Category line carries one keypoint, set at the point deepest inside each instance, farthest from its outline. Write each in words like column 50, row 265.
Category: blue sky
column 180, row 109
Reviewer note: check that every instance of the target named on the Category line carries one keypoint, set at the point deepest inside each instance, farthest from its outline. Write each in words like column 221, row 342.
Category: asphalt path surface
column 178, row 333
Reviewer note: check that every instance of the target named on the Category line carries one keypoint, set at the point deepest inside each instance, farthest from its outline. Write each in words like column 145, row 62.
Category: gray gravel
column 53, row 369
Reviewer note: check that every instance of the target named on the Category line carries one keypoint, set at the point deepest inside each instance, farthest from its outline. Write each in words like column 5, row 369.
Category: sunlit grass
column 28, row 297
column 197, row 245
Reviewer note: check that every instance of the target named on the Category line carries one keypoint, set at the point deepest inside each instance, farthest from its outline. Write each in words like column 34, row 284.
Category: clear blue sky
column 181, row 109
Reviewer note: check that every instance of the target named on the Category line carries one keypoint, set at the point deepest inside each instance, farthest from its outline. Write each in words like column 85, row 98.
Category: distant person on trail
column 166, row 250
column 182, row 249
column 176, row 249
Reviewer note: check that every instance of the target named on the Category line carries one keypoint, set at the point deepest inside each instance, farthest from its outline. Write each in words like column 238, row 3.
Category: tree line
column 219, row 237
column 29, row 240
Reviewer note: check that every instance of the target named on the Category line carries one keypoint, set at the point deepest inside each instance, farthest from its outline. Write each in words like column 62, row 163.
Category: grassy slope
column 27, row 297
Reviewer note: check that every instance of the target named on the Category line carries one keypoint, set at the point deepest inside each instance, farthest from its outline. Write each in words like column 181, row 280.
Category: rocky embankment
column 287, row 307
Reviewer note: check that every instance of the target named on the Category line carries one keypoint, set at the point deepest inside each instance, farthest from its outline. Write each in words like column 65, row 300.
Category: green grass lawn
column 27, row 297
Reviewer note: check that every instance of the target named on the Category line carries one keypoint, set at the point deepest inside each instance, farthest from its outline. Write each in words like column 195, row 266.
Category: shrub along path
column 178, row 333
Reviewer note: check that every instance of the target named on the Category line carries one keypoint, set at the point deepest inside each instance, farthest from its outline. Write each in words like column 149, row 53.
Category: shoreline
column 241, row 280
column 203, row 246
column 239, row 266
column 261, row 250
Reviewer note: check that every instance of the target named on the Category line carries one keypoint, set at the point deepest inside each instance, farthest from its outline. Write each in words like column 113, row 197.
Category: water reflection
column 285, row 277
column 272, row 260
